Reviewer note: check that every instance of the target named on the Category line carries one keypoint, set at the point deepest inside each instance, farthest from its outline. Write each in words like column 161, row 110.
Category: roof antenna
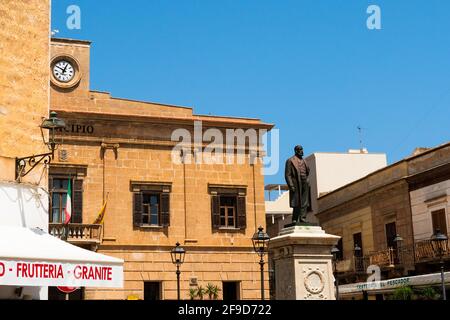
column 360, row 138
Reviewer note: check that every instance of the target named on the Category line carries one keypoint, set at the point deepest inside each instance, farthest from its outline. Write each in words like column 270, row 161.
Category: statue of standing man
column 296, row 175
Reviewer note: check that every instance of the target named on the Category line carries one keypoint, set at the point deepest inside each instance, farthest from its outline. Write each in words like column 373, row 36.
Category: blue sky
column 310, row 67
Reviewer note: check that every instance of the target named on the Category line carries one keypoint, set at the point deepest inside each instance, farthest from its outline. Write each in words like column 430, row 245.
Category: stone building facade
column 24, row 82
column 24, row 102
column 402, row 199
column 121, row 151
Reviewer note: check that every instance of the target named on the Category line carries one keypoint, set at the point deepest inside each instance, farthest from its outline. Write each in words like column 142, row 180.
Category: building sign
column 78, row 128
column 393, row 283
column 389, row 285
column 37, row 273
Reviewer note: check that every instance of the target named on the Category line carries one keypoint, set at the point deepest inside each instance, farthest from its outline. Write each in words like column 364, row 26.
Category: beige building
column 430, row 206
column 24, row 83
column 24, row 197
column 121, row 151
column 24, row 101
column 409, row 198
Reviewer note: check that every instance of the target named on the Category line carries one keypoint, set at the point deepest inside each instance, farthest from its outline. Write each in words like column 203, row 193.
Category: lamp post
column 439, row 242
column 177, row 255
column 335, row 252
column 52, row 124
column 357, row 254
column 260, row 244
column 398, row 240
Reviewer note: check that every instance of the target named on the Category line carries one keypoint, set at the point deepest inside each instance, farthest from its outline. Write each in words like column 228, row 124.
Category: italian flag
column 68, row 208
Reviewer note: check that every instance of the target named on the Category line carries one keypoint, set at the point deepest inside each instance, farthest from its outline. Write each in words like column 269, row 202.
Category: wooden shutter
column 165, row 209
column 241, row 213
column 50, row 185
column 50, row 200
column 77, row 194
column 215, row 211
column 137, row 209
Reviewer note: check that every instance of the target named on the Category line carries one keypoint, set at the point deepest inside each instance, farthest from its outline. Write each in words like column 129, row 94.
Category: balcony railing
column 423, row 251
column 77, row 233
column 383, row 258
column 406, row 256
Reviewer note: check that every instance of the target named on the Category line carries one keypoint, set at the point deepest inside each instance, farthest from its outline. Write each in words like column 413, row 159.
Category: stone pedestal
column 303, row 263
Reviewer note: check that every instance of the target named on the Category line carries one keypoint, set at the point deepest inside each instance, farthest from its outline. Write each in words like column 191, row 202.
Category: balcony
column 423, row 252
column 404, row 257
column 383, row 258
column 78, row 234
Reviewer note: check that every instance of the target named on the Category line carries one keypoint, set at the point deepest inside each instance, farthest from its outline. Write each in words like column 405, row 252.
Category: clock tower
column 69, row 66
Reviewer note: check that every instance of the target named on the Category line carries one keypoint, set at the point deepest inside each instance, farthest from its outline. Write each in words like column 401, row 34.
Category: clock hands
column 64, row 71
column 60, row 69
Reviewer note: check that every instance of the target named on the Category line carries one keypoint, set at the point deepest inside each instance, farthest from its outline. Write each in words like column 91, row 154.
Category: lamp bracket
column 26, row 164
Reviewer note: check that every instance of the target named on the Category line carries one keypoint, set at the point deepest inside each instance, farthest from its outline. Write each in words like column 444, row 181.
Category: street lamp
column 177, row 255
column 260, row 243
column 335, row 251
column 52, row 124
column 398, row 240
column 357, row 254
column 440, row 247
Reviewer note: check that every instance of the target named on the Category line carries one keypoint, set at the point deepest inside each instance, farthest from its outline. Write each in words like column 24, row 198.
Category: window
column 58, row 189
column 59, row 197
column 228, row 207
column 152, row 290
column 439, row 221
column 151, row 204
column 357, row 240
column 391, row 233
column 151, row 213
column 231, row 290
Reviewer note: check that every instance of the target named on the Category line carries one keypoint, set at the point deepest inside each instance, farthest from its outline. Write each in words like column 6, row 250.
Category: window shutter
column 215, row 211
column 50, row 185
column 165, row 209
column 137, row 209
column 241, row 213
column 77, row 193
column 50, row 201
column 443, row 222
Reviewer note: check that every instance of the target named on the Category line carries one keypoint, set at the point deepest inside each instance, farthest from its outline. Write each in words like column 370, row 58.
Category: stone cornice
column 217, row 122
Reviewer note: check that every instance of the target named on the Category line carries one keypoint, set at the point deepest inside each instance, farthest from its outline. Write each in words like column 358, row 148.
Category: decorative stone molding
column 303, row 263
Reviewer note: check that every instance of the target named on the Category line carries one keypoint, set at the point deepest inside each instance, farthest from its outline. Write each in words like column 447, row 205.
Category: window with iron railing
column 58, row 187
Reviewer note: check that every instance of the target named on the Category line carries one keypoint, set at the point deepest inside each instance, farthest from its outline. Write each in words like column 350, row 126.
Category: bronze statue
column 296, row 175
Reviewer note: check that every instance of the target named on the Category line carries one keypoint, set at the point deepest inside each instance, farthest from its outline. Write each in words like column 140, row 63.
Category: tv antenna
column 360, row 129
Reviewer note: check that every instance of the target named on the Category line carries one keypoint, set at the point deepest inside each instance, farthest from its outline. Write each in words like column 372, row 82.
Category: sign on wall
column 40, row 273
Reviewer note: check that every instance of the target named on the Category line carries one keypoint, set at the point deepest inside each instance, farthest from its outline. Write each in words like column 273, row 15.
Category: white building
column 328, row 171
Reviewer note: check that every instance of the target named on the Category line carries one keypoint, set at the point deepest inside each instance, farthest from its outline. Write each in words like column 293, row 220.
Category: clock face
column 63, row 71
